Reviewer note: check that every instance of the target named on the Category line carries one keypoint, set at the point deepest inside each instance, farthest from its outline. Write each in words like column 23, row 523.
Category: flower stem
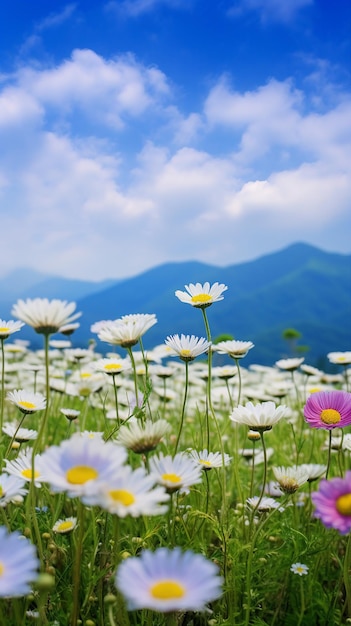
column 184, row 403
column 77, row 564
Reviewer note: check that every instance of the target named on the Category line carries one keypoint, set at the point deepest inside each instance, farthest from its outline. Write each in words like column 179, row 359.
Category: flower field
column 170, row 486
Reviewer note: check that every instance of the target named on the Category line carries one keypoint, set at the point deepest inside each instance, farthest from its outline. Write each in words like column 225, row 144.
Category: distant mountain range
column 299, row 287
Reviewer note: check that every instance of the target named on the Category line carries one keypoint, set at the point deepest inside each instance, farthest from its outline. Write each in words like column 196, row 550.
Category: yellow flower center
column 4, row 329
column 172, row 478
column 2, row 569
column 185, row 352
column 27, row 473
column 167, row 590
column 330, row 416
column 1, row 491
column 343, row 504
column 80, row 474
column 26, row 405
column 201, row 298
column 65, row 526
column 123, row 496
column 85, row 375
column 113, row 366
column 205, row 463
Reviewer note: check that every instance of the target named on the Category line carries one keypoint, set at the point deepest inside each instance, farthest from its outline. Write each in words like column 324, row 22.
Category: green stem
column 329, row 453
column 43, row 425
column 2, row 402
column 183, row 407
column 347, row 577
column 77, row 564
column 239, row 379
column 132, row 360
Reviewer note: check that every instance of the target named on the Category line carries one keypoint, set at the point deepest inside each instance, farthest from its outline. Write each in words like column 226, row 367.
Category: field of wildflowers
column 170, row 486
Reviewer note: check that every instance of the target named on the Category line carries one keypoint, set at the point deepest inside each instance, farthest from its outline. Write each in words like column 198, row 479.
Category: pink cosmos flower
column 328, row 409
column 333, row 503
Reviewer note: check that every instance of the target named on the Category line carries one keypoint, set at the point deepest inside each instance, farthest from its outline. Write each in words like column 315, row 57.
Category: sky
column 138, row 132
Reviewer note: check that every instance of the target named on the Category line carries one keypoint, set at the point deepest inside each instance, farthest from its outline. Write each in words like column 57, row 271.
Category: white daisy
column 175, row 473
column 142, row 438
column 209, row 460
column 168, row 580
column 187, row 347
column 10, row 488
column 21, row 466
column 111, row 366
column 290, row 364
column 8, row 328
column 19, row 434
column 234, row 348
column 201, row 296
column 290, row 478
column 299, row 568
column 81, row 460
column 131, row 492
column 19, row 564
column 127, row 330
column 45, row 316
column 262, row 416
column 64, row 526
column 340, row 358
column 27, row 401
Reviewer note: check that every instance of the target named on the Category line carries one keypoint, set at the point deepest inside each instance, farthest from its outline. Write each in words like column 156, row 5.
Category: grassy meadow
column 107, row 457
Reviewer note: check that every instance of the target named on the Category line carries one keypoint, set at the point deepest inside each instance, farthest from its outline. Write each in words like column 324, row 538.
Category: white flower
column 19, row 564
column 8, row 328
column 234, row 348
column 314, row 470
column 299, row 568
column 64, row 526
column 27, row 401
column 127, row 330
column 201, row 296
column 45, row 316
column 22, row 467
column 175, row 473
column 10, row 488
column 290, row 478
column 81, row 460
column 187, row 347
column 265, row 504
column 208, row 460
column 130, row 492
column 260, row 416
column 111, row 366
column 142, row 438
column 289, row 364
column 168, row 580
column 340, row 358
column 19, row 434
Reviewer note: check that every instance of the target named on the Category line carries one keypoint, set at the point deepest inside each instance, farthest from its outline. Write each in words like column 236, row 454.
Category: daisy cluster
column 169, row 475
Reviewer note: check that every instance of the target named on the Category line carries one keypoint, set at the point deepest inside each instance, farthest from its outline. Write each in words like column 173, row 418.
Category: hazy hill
column 300, row 286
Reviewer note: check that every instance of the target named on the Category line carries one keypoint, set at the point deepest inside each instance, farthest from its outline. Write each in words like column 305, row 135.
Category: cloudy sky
column 135, row 132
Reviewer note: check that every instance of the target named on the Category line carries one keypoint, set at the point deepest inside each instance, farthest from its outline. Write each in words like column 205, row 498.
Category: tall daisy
column 234, row 348
column 169, row 580
column 187, row 347
column 201, row 296
column 27, row 401
column 142, row 438
column 45, row 316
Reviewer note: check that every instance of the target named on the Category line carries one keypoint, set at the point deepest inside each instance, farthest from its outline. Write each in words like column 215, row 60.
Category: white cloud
column 134, row 8
column 81, row 199
column 270, row 10
column 56, row 19
column 106, row 90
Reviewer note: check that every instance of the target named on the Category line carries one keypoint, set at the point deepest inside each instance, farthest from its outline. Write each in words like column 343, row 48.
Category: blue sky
column 136, row 132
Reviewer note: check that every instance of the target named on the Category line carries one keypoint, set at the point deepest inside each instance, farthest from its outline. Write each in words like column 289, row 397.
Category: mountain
column 300, row 287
